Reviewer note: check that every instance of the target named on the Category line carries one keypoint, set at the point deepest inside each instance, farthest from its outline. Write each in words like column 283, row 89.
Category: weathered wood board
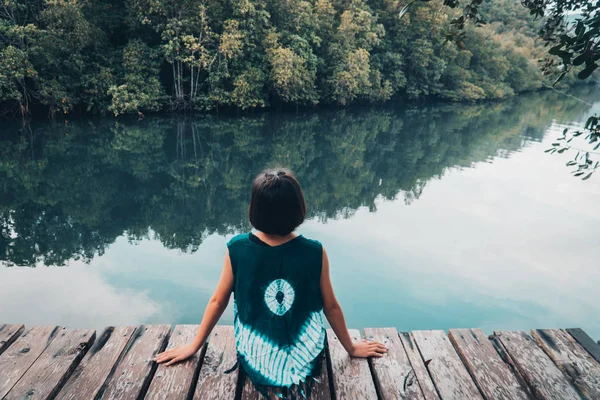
column 544, row 378
column 418, row 365
column 92, row 373
column 8, row 334
column 176, row 381
column 449, row 375
column 351, row 376
column 393, row 375
column 19, row 357
column 586, row 342
column 220, row 356
column 572, row 359
column 54, row 366
column 134, row 373
column 492, row 375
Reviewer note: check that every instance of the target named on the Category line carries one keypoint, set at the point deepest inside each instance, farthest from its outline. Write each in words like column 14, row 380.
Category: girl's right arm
column 216, row 305
column 335, row 316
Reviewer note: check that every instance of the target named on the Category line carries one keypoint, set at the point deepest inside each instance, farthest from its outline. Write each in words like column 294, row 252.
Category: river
column 434, row 216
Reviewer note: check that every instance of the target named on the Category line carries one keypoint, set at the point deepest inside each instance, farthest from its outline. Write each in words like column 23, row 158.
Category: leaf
column 585, row 178
column 405, row 9
column 597, row 146
column 549, row 150
column 571, row 163
column 579, row 173
column 554, row 50
column 580, row 59
column 560, row 77
column 585, row 73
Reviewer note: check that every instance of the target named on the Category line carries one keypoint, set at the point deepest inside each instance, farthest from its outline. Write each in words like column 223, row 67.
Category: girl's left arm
column 216, row 305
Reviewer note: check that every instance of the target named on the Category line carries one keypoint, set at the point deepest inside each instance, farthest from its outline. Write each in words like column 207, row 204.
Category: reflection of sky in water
column 511, row 244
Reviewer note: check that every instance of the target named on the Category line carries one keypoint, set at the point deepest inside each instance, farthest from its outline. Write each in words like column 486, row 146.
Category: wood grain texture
column 54, row 366
column 19, row 357
column 8, row 334
column 572, row 359
column 418, row 365
column 176, row 381
column 351, row 376
column 92, row 373
column 220, row 355
column 544, row 378
column 134, row 372
column 449, row 375
column 492, row 375
column 393, row 375
column 586, row 342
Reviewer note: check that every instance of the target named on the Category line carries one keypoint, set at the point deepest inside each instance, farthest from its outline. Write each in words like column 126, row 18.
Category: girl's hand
column 366, row 348
column 176, row 354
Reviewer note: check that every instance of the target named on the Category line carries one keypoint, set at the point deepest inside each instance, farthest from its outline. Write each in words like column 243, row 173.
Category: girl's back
column 281, row 285
column 278, row 325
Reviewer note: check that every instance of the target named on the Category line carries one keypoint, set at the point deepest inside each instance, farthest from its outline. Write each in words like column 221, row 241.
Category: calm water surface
column 434, row 216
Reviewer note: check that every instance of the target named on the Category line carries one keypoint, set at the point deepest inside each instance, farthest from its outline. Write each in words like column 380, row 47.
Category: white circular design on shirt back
column 279, row 296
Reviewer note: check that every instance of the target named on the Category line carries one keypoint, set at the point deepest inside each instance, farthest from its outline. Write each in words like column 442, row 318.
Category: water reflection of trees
column 68, row 191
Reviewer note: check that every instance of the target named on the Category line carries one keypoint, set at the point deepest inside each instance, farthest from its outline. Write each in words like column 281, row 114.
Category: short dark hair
column 277, row 204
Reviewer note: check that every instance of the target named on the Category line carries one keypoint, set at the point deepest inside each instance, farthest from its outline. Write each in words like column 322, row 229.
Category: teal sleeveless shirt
column 278, row 321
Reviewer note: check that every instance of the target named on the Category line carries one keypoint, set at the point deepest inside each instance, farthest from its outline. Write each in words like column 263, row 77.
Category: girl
column 281, row 284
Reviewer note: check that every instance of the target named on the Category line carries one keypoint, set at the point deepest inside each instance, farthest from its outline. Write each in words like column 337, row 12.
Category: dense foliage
column 69, row 190
column 129, row 56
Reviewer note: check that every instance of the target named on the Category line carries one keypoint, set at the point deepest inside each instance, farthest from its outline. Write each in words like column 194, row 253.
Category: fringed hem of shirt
column 300, row 391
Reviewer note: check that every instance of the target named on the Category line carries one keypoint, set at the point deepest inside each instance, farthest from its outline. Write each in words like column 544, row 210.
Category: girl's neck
column 275, row 240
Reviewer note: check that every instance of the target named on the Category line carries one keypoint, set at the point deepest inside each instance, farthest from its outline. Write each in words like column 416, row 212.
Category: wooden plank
column 449, row 375
column 393, row 375
column 220, row 355
column 418, row 365
column 54, row 366
column 17, row 359
column 97, row 366
column 543, row 377
column 351, row 376
column 134, row 373
column 572, row 359
column 8, row 334
column 491, row 374
column 586, row 342
column 175, row 381
column 311, row 390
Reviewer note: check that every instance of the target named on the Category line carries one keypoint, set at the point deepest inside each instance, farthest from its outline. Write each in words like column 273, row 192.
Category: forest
column 113, row 57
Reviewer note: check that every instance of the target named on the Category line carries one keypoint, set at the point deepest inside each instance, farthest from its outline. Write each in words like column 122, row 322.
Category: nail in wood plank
column 418, row 366
column 351, row 376
column 95, row 369
column 54, row 366
column 449, row 375
column 175, row 381
column 17, row 359
column 586, row 342
column 492, row 375
column 220, row 355
column 393, row 374
column 572, row 359
column 8, row 334
column 134, row 372
column 543, row 377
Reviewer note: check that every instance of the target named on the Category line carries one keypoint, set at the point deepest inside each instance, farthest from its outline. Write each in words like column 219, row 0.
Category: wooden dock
column 48, row 362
